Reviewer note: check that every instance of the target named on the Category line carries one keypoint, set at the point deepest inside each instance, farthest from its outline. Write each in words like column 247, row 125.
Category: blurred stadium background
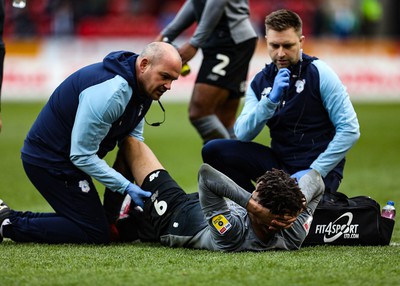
column 49, row 39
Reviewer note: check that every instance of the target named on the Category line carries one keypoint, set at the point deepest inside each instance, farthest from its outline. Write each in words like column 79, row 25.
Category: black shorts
column 170, row 210
column 227, row 67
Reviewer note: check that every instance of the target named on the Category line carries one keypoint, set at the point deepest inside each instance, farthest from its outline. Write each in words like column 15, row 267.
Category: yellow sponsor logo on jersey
column 221, row 223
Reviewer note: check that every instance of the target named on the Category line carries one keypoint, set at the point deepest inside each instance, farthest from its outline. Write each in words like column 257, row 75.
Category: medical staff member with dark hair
column 306, row 107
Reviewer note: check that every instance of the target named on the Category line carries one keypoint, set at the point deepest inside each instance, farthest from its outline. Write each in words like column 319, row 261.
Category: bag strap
column 336, row 198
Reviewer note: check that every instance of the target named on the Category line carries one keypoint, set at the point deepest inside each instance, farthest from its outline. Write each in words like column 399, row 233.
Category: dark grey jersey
column 221, row 22
column 228, row 225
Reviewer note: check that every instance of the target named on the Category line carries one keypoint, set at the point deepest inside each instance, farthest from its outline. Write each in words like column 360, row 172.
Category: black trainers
column 5, row 212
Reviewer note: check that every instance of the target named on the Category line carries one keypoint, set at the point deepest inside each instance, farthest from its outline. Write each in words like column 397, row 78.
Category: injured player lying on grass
column 220, row 216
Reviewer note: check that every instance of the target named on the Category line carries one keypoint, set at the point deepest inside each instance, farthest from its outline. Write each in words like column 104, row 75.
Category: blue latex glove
column 137, row 194
column 300, row 174
column 281, row 83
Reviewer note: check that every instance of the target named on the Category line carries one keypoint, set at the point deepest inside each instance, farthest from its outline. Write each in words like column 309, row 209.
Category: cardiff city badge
column 84, row 185
column 266, row 91
column 300, row 85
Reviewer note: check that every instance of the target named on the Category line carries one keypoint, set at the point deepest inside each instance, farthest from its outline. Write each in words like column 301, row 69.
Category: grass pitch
column 372, row 169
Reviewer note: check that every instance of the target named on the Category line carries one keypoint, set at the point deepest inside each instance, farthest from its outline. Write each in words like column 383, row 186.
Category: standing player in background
column 2, row 52
column 227, row 39
column 18, row 4
column 306, row 107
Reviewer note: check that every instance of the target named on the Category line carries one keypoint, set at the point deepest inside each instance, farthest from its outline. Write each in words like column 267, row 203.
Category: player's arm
column 312, row 186
column 214, row 187
column 212, row 14
column 343, row 116
column 210, row 17
column 183, row 20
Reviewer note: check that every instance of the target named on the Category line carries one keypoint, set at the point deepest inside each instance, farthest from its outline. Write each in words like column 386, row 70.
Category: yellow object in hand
column 185, row 70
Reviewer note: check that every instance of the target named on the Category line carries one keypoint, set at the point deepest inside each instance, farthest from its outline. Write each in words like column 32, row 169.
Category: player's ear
column 302, row 40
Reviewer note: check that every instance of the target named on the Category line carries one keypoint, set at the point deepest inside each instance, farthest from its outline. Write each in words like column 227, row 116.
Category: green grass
column 373, row 169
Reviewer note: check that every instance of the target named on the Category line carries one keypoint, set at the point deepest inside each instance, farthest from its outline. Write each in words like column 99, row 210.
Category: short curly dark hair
column 278, row 192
